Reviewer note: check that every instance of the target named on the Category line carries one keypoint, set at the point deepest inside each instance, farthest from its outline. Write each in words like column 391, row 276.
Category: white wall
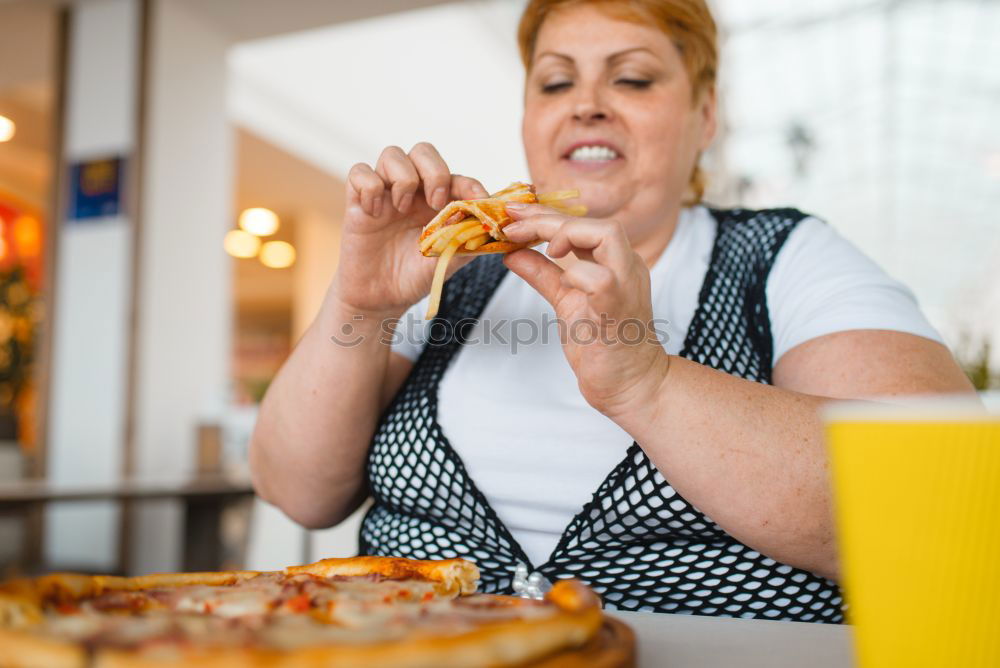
column 184, row 282
column 182, row 339
column 339, row 94
column 93, row 290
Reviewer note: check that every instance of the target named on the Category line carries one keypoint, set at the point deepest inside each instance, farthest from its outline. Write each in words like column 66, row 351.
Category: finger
column 398, row 172
column 538, row 271
column 434, row 174
column 604, row 239
column 519, row 210
column 368, row 187
column 590, row 278
column 598, row 282
column 466, row 187
column 534, row 227
column 582, row 253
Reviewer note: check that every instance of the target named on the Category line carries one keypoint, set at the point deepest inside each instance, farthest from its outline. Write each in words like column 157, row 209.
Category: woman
column 601, row 454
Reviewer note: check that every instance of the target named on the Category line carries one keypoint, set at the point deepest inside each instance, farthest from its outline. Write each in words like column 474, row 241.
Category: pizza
column 475, row 227
column 363, row 611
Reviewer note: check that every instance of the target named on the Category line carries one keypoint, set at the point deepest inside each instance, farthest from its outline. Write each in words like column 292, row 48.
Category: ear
column 709, row 119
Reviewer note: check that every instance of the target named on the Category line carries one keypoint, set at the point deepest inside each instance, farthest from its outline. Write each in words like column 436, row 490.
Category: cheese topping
column 277, row 612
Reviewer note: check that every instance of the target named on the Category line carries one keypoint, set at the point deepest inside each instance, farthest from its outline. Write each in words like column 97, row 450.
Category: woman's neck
column 651, row 238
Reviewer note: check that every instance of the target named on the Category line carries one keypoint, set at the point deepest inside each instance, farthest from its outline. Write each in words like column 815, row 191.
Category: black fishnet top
column 637, row 542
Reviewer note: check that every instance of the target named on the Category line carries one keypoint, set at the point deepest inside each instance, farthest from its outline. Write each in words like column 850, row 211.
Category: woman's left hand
column 602, row 301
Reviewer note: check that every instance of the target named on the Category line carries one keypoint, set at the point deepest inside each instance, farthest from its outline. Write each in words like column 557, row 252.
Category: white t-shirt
column 544, row 451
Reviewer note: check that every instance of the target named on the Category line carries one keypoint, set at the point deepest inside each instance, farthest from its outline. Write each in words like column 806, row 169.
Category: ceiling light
column 259, row 221
column 7, row 129
column 277, row 254
column 27, row 234
column 241, row 244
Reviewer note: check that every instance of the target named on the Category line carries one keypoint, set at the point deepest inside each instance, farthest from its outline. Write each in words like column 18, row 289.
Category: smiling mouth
column 593, row 154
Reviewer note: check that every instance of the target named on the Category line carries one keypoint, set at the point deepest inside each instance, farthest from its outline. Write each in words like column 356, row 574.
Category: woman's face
column 609, row 110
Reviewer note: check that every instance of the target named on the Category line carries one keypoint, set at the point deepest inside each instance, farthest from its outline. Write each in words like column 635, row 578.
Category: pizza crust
column 22, row 649
column 496, row 247
column 166, row 580
column 21, row 600
column 455, row 576
column 574, row 616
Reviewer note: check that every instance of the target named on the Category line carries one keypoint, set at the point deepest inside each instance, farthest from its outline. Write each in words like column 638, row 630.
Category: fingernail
column 405, row 202
column 512, row 227
column 377, row 207
column 516, row 206
column 440, row 197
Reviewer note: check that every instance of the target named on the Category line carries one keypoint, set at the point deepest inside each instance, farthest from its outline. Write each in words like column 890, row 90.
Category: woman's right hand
column 381, row 269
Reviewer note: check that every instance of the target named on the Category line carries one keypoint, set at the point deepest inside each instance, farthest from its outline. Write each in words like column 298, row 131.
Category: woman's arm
column 751, row 456
column 308, row 449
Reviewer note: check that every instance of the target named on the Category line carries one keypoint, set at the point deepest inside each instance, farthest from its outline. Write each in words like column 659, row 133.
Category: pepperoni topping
column 66, row 608
column 299, row 603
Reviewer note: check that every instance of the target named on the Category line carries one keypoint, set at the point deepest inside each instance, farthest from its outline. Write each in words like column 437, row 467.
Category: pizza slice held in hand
column 475, row 227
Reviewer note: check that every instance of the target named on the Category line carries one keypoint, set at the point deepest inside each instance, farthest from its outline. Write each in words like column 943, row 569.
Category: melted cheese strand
column 465, row 231
column 442, row 243
column 438, row 283
column 442, row 267
column 576, row 210
column 557, row 195
column 473, row 244
column 446, row 232
column 470, row 233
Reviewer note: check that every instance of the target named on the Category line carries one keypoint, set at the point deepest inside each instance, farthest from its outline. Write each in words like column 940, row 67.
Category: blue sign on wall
column 96, row 189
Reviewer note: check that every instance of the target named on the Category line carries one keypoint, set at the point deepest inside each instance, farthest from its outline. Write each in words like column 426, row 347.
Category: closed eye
column 638, row 84
column 556, row 87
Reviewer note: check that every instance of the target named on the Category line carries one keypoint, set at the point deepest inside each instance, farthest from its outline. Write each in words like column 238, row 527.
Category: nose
column 588, row 106
column 589, row 113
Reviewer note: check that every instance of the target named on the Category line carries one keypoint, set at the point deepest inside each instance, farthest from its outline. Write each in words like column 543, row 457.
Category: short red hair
column 689, row 23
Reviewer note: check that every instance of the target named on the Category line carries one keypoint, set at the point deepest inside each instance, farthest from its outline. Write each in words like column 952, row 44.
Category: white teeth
column 593, row 153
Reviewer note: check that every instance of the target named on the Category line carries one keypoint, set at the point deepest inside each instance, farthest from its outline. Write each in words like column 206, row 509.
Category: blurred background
column 171, row 187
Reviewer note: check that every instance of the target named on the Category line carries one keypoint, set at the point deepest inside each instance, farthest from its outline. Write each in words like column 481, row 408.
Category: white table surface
column 684, row 641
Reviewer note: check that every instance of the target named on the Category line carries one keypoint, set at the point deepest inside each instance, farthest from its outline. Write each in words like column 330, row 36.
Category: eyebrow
column 613, row 57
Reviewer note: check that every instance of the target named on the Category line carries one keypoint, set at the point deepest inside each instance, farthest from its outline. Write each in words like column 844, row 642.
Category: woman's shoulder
column 740, row 215
column 745, row 241
column 762, row 225
column 818, row 282
column 822, row 283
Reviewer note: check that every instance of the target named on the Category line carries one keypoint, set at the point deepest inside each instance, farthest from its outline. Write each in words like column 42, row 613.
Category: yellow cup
column 917, row 498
